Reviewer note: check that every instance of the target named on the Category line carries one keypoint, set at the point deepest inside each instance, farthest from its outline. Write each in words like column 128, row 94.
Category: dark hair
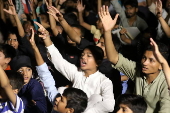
column 20, row 61
column 135, row 102
column 71, row 18
column 76, row 99
column 162, row 48
column 97, row 53
column 132, row 3
column 15, row 78
column 8, row 51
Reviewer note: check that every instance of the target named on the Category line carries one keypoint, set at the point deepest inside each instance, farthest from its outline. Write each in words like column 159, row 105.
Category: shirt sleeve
column 19, row 105
column 164, row 99
column 64, row 67
column 37, row 94
column 48, row 81
column 126, row 66
column 118, row 9
column 107, row 102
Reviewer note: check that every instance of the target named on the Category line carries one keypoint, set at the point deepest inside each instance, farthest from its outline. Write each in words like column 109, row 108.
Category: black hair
column 16, row 79
column 71, row 18
column 132, row 3
column 97, row 53
column 8, row 51
column 162, row 48
column 135, row 102
column 76, row 99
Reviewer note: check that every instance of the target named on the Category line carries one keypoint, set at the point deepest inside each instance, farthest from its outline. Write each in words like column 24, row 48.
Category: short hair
column 76, row 99
column 8, row 51
column 97, row 53
column 162, row 48
column 16, row 79
column 135, row 102
column 132, row 3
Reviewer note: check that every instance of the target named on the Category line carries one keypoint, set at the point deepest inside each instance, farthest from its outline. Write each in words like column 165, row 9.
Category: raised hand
column 106, row 19
column 123, row 31
column 32, row 5
column 49, row 3
column 80, row 6
column 156, row 52
column 61, row 1
column 158, row 9
column 55, row 13
column 32, row 41
column 11, row 9
column 44, row 33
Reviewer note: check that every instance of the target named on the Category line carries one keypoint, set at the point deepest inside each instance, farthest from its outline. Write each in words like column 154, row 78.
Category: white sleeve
column 64, row 67
column 107, row 104
column 19, row 105
column 48, row 81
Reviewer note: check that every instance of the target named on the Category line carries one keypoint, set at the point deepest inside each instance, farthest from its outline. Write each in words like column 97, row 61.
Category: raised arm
column 67, row 28
column 60, row 3
column 164, row 25
column 108, row 24
column 162, row 61
column 64, row 67
column 1, row 11
column 12, row 12
column 43, row 72
column 80, row 9
column 5, row 85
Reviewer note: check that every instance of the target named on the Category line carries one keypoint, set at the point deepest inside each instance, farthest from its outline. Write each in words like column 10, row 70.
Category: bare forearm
column 53, row 25
column 125, row 39
column 70, row 32
column 165, row 26
column 99, row 5
column 4, row 82
column 111, row 52
column 19, row 26
column 166, row 70
column 82, row 23
column 38, row 56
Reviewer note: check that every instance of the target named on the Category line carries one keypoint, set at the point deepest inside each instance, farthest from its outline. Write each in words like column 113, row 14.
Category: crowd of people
column 84, row 56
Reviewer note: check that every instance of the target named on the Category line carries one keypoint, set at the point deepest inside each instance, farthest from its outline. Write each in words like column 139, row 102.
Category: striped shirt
column 7, row 107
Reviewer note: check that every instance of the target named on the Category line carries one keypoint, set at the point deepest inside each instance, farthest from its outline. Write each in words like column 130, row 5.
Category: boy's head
column 7, row 53
column 22, row 64
column 73, row 100
column 150, row 65
column 131, row 8
column 16, row 80
column 130, row 103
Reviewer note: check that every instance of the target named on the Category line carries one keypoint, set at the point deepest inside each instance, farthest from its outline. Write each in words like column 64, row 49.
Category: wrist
column 158, row 15
column 59, row 4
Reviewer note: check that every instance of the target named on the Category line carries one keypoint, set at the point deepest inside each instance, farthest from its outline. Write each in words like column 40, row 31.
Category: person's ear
column 136, row 10
column 160, row 67
column 15, row 91
column 70, row 110
column 7, row 60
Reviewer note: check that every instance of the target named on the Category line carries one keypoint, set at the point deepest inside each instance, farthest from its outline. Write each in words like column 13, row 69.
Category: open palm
column 107, row 21
column 11, row 9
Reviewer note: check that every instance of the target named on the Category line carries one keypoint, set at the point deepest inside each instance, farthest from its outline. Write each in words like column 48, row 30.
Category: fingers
column 32, row 34
column 116, row 17
column 39, row 25
column 46, row 3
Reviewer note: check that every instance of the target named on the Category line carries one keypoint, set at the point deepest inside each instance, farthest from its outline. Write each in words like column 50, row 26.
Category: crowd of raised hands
column 36, row 36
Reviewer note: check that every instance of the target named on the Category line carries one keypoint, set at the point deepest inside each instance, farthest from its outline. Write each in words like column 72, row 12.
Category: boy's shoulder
column 7, row 107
